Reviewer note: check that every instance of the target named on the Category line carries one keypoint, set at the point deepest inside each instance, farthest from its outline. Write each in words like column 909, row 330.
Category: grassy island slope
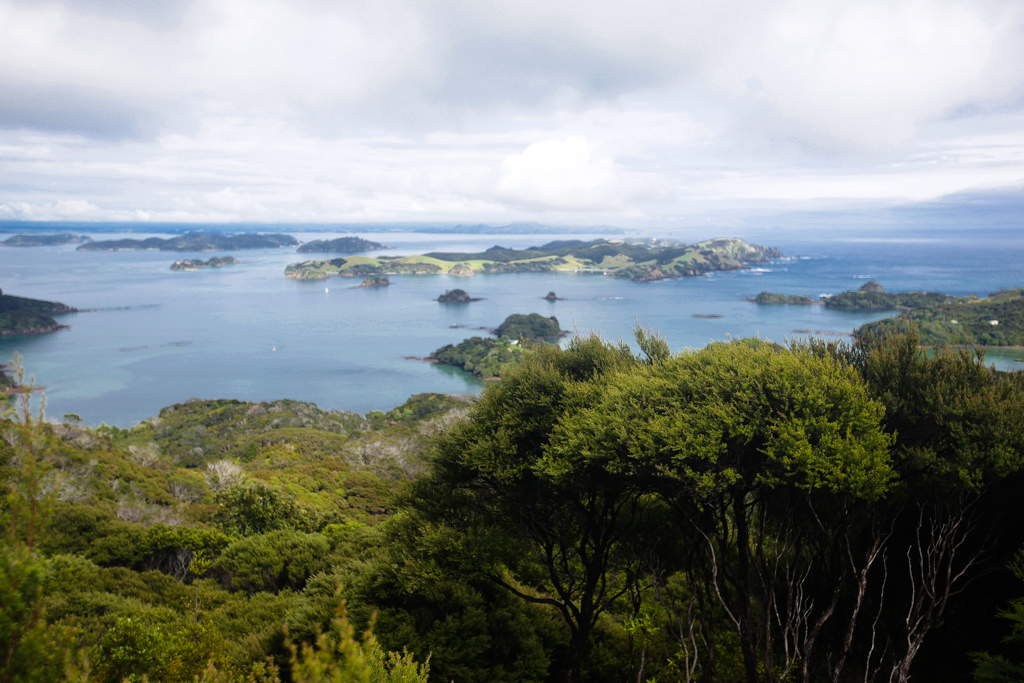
column 638, row 261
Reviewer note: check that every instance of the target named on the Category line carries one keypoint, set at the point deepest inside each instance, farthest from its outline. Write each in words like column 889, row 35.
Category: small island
column 641, row 260
column 530, row 327
column 45, row 240
column 196, row 264
column 373, row 281
column 552, row 297
column 791, row 299
column 349, row 245
column 195, row 242
column 479, row 356
column 19, row 315
column 456, row 296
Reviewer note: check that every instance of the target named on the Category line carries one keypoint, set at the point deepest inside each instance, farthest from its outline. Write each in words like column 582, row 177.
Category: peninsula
column 19, row 315
column 373, row 281
column 995, row 320
column 484, row 357
column 941, row 319
column 196, row 264
column 639, row 260
column 195, row 242
column 348, row 245
column 45, row 240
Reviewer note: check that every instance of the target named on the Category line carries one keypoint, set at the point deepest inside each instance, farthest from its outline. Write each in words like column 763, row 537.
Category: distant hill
column 45, row 240
column 639, row 260
column 343, row 245
column 198, row 242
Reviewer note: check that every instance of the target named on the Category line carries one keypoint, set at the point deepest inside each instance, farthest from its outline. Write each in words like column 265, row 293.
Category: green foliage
column 253, row 508
column 529, row 327
column 483, row 357
column 272, row 561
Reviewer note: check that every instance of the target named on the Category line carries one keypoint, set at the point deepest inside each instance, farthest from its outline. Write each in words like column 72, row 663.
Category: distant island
column 456, row 296
column 196, row 264
column 45, row 240
column 340, row 245
column 795, row 299
column 871, row 295
column 196, row 242
column 552, row 297
column 639, row 260
column 19, row 315
column 373, row 281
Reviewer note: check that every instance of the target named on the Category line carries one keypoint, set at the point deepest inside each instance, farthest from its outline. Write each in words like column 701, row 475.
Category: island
column 552, row 297
column 793, row 299
column 641, row 260
column 45, row 240
column 196, row 264
column 340, row 245
column 373, row 281
column 19, row 315
column 479, row 356
column 195, row 242
column 995, row 320
column 530, row 327
column 456, row 296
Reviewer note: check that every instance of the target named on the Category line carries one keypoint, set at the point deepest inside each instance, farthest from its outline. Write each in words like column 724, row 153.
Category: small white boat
column 326, row 290
column 275, row 349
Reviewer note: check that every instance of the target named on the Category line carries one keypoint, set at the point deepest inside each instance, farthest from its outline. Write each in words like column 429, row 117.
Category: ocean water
column 246, row 332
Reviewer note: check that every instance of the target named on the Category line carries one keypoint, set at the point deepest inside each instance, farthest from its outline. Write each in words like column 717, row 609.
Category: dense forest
column 745, row 512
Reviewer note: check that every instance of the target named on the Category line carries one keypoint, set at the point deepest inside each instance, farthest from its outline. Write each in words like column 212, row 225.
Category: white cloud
column 561, row 110
column 570, row 173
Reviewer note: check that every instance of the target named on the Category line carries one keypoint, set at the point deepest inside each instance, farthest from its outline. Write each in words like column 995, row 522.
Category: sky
column 565, row 112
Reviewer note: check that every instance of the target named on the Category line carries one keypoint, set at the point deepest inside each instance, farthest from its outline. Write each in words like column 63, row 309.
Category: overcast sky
column 647, row 112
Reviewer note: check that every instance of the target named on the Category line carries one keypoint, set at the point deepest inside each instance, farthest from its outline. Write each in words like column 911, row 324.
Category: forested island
column 196, row 264
column 373, row 281
column 20, row 315
column 456, row 296
column 639, row 260
column 45, row 240
column 340, row 245
column 583, row 520
column 195, row 242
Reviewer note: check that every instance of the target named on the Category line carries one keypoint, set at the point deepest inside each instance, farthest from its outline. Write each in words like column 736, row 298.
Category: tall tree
column 758, row 450
column 571, row 534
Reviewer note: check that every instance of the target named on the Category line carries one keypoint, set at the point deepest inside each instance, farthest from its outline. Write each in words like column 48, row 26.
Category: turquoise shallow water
column 212, row 333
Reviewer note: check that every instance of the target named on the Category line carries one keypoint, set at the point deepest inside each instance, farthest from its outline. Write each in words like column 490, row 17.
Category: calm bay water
column 213, row 333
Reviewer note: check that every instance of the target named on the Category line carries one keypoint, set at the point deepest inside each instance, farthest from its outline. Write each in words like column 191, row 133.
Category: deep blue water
column 212, row 333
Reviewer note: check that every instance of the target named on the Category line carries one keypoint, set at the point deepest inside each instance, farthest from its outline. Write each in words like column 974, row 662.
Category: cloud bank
column 556, row 110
